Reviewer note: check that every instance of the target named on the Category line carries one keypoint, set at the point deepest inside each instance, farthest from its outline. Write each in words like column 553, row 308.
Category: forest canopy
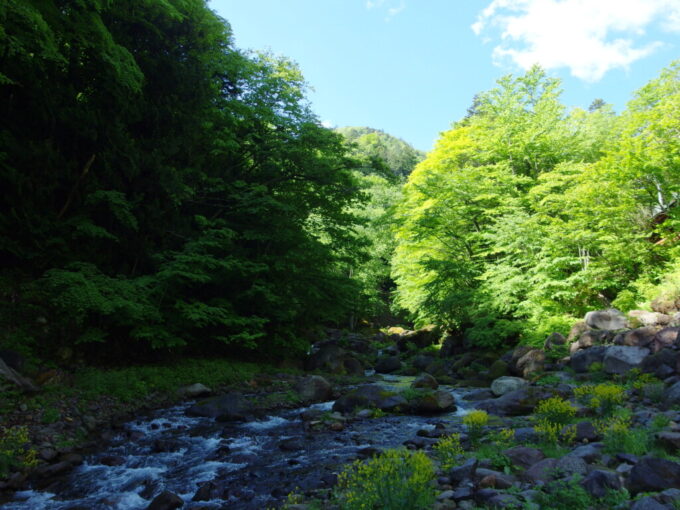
column 527, row 215
column 164, row 191
column 161, row 188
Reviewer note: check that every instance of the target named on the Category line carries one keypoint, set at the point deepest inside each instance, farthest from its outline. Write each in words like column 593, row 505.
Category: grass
column 132, row 383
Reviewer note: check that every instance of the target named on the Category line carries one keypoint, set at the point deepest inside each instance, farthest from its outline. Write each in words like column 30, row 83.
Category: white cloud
column 393, row 11
column 328, row 124
column 393, row 8
column 590, row 37
column 370, row 4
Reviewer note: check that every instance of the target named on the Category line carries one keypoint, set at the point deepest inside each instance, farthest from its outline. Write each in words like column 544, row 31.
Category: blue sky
column 412, row 67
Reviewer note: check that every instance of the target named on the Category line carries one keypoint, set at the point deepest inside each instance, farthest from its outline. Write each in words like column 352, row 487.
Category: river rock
column 554, row 340
column 368, row 395
column 225, row 408
column 582, row 359
column 619, row 359
column 194, row 391
column 599, row 482
column 422, row 361
column 671, row 440
column 166, row 501
column 639, row 337
column 515, row 403
column 531, row 363
column 421, row 338
column 588, row 452
column 433, row 402
column 506, row 384
column 662, row 363
column 314, row 388
column 523, row 456
column 569, row 466
column 542, row 471
column 650, row 318
column 388, row 364
column 328, row 357
column 610, row 319
column 665, row 338
column 465, row 471
column 649, row 503
column 651, row 475
column 671, row 396
column 425, row 381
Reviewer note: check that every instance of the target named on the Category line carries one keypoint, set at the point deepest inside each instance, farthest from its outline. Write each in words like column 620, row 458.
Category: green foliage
column 395, row 480
column 14, row 450
column 448, row 450
column 503, row 231
column 475, row 421
column 399, row 157
column 564, row 495
column 132, row 383
column 164, row 190
column 569, row 494
column 620, row 437
column 602, row 398
column 555, row 410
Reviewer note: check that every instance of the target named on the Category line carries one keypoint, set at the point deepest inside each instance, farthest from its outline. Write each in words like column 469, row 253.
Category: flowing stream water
column 248, row 466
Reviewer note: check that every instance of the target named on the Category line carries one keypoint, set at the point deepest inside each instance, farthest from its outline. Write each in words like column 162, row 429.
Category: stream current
column 242, row 466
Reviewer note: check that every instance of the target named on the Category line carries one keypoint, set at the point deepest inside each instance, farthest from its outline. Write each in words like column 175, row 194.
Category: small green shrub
column 447, row 451
column 549, row 380
column 492, row 450
column 50, row 415
column 555, row 410
column 15, row 452
column 475, row 422
column 602, row 398
column 595, row 367
column 564, row 495
column 395, row 480
column 660, row 422
column 620, row 437
column 654, row 391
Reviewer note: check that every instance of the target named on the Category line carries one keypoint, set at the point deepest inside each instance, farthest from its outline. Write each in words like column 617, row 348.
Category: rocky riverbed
column 235, row 464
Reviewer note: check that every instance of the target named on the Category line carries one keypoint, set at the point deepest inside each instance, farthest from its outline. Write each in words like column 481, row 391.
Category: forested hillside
column 526, row 214
column 161, row 188
column 164, row 190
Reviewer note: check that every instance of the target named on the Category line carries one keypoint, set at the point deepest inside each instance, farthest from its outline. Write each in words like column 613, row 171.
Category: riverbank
column 71, row 410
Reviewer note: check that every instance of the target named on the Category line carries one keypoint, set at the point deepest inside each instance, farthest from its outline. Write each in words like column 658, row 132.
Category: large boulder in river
column 166, row 501
column 368, row 396
column 610, row 319
column 314, row 388
column 328, row 356
column 224, row 408
column 515, row 403
column 619, row 359
column 421, row 338
column 388, row 364
column 425, row 381
column 432, row 402
column 504, row 385
column 194, row 391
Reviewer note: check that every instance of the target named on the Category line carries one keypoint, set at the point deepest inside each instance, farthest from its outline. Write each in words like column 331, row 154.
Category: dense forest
column 165, row 191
